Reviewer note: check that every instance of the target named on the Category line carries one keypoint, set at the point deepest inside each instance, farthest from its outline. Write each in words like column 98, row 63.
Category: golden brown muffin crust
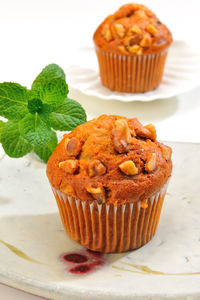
column 111, row 159
column 132, row 30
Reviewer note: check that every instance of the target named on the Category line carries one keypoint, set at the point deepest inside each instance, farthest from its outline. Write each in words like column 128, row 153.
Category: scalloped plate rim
column 140, row 98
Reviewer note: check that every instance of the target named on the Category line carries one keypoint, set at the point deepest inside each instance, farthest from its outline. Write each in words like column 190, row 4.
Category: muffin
column 109, row 177
column 131, row 47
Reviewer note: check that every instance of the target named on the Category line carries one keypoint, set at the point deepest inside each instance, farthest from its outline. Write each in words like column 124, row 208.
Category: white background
column 34, row 33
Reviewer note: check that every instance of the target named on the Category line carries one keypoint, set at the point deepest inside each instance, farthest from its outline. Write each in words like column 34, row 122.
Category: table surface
column 35, row 33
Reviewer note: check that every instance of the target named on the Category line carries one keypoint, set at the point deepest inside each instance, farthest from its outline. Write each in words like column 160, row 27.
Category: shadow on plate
column 153, row 111
column 40, row 239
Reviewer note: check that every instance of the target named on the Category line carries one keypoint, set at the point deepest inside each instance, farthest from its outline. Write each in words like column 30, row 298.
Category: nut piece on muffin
column 131, row 47
column 109, row 177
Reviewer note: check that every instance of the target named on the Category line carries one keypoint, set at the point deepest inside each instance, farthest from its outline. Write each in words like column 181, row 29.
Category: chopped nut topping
column 141, row 13
column 122, row 49
column 120, row 30
column 128, row 167
column 96, row 168
column 133, row 132
column 69, row 166
column 134, row 29
column 121, row 124
column 152, row 29
column 141, row 130
column 121, row 136
column 131, row 40
column 144, row 204
column 152, row 129
column 68, row 189
column 97, row 193
column 72, row 146
column 166, row 152
column 151, row 162
column 146, row 41
column 93, row 190
column 127, row 40
column 139, row 52
column 106, row 33
column 134, row 49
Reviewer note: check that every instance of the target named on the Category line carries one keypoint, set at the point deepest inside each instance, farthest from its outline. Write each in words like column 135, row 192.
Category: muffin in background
column 131, row 47
column 109, row 177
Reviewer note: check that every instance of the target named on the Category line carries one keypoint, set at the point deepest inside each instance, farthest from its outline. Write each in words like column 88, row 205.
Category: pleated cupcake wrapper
column 109, row 228
column 133, row 74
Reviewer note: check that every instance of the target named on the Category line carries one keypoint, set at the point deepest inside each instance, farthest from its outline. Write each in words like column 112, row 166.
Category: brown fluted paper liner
column 131, row 74
column 109, row 228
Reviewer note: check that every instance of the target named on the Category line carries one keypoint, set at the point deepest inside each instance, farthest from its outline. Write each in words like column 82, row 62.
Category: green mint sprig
column 34, row 114
column 1, row 127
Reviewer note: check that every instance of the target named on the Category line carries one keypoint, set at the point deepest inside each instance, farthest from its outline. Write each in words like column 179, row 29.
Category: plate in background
column 182, row 73
column 32, row 239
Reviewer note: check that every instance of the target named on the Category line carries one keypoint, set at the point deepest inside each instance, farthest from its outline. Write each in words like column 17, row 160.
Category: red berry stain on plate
column 83, row 262
column 75, row 258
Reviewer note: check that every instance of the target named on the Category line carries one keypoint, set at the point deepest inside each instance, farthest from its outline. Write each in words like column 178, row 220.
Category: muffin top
column 110, row 159
column 132, row 30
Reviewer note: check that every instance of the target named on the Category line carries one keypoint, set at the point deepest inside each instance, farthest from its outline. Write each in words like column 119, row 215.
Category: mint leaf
column 49, row 73
column 67, row 116
column 53, row 92
column 13, row 143
column 50, row 85
column 35, row 105
column 13, row 100
column 44, row 152
column 35, row 130
column 1, row 128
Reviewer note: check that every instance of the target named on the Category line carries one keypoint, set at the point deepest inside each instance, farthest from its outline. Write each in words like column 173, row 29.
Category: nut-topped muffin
column 109, row 177
column 131, row 47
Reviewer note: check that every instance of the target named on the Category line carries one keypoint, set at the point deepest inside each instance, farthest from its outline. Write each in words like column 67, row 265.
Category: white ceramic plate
column 32, row 239
column 182, row 73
